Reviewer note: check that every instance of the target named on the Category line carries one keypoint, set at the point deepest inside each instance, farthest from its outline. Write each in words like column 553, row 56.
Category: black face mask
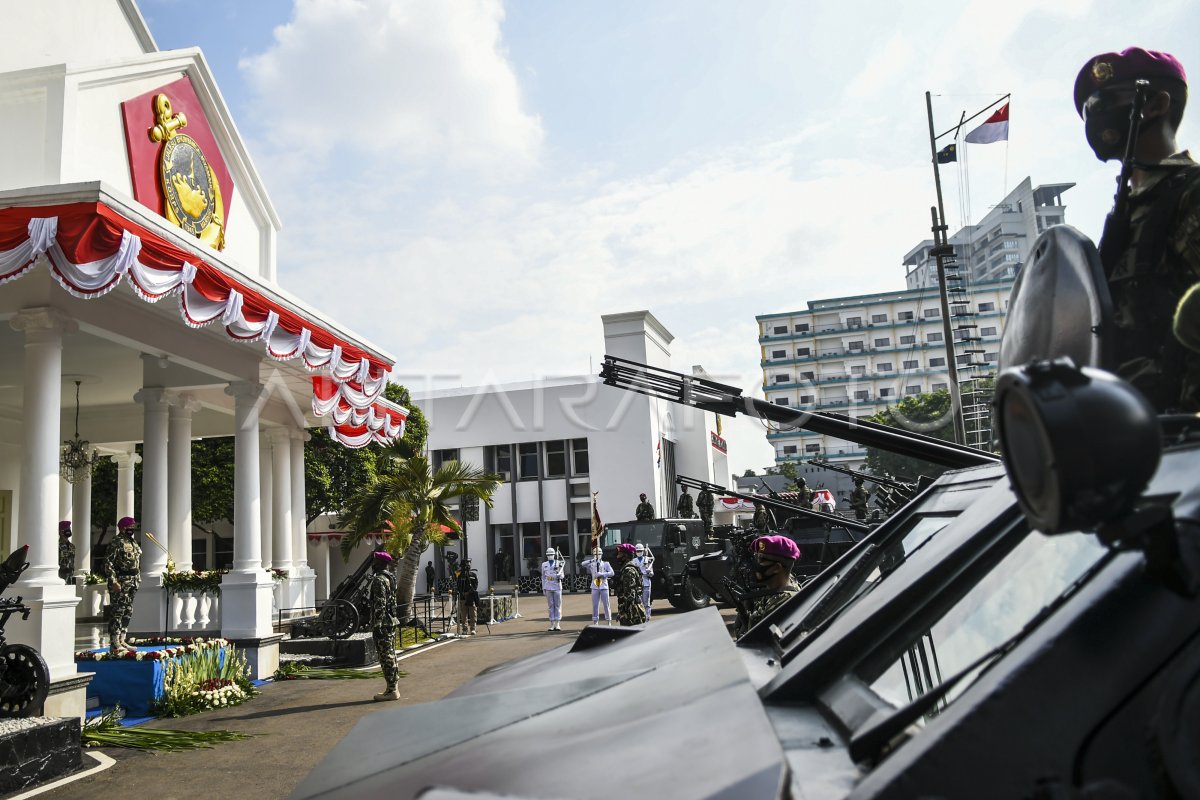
column 760, row 573
column 1107, row 131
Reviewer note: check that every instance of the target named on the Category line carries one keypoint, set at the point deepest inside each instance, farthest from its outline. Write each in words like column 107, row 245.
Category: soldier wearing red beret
column 774, row 557
column 1151, row 254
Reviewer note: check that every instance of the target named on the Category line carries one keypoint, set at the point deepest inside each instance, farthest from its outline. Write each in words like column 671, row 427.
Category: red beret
column 64, row 526
column 1129, row 65
column 627, row 549
column 383, row 555
column 778, row 547
column 127, row 522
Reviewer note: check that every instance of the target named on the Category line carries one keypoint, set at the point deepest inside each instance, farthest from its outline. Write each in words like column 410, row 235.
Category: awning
column 91, row 247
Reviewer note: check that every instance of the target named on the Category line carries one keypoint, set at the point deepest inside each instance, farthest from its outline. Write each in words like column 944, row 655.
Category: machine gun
column 774, row 503
column 347, row 610
column 904, row 486
column 890, row 493
column 24, row 676
column 719, row 398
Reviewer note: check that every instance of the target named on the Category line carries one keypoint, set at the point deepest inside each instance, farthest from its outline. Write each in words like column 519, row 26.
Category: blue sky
column 500, row 174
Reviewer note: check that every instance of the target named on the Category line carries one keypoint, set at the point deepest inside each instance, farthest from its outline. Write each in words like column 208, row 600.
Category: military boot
column 390, row 693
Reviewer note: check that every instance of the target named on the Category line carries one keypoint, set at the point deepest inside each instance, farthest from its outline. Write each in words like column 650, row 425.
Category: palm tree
column 409, row 498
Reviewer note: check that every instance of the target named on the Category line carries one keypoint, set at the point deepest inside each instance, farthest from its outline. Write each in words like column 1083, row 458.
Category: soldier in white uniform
column 552, row 578
column 601, row 571
column 645, row 563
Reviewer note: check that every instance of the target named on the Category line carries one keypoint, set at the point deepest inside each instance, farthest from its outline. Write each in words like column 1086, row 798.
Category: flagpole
column 940, row 250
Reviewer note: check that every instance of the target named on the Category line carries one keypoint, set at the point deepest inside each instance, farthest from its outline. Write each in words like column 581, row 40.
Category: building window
column 780, row 329
column 504, row 460
column 808, row 376
column 883, row 366
column 789, row 449
column 937, row 362
column 806, row 399
column 781, row 401
column 991, row 356
column 934, row 336
column 779, row 354
column 556, row 459
column 812, row 448
column 441, row 457
column 803, row 352
column 904, row 316
column 853, row 322
column 914, row 364
column 887, row 392
column 1012, row 258
column 527, row 460
column 987, row 331
column 856, row 346
column 579, row 454
column 930, row 313
column 939, row 387
column 962, row 359
column 913, row 389
column 884, row 342
column 783, row 378
column 984, row 307
column 910, row 339
column 862, row 394
column 802, row 327
column 861, row 370
column 878, row 318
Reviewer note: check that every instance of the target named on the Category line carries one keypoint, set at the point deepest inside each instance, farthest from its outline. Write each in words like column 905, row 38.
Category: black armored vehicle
column 1025, row 629
column 673, row 542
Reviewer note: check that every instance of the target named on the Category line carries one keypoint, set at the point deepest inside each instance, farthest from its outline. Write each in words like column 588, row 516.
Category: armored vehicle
column 1028, row 629
column 673, row 542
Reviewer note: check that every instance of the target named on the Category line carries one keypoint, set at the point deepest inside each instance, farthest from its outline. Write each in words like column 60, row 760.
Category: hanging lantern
column 78, row 458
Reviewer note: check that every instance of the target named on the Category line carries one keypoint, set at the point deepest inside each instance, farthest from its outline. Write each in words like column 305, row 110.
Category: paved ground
column 298, row 722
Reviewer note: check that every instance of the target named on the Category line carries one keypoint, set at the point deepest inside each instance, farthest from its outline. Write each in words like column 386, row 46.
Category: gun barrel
column 895, row 484
column 770, row 502
column 722, row 399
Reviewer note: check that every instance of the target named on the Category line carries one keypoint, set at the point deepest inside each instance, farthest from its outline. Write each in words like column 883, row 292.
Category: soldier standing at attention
column 122, row 567
column 645, row 564
column 600, row 571
column 705, row 503
column 552, row 578
column 859, row 498
column 630, row 610
column 430, row 578
column 805, row 494
column 466, row 588
column 644, row 511
column 774, row 557
column 684, row 509
column 66, row 551
column 1151, row 254
column 761, row 520
column 382, row 595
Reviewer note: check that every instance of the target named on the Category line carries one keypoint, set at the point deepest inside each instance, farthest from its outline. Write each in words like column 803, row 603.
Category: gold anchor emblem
column 1102, row 71
column 190, row 188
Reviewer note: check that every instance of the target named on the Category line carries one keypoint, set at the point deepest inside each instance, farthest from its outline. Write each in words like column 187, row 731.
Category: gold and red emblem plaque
column 190, row 188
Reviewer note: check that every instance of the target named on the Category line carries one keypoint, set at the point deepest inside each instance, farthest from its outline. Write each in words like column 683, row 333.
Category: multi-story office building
column 997, row 246
column 555, row 442
column 858, row 355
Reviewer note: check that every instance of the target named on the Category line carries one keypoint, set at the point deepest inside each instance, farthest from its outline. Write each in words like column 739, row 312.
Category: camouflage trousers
column 120, row 608
column 385, row 648
column 468, row 615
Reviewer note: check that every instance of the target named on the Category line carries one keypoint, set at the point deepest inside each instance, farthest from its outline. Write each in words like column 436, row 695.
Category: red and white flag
column 993, row 129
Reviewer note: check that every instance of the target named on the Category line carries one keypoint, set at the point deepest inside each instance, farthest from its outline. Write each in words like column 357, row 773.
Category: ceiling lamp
column 78, row 457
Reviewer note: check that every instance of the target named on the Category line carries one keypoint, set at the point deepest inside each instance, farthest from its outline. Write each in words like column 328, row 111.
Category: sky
column 470, row 184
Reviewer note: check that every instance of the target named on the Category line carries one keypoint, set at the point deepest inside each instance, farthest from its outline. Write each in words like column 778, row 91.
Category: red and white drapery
column 736, row 504
column 91, row 248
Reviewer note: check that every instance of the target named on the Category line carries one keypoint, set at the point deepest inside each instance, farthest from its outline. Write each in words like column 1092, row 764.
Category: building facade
column 556, row 442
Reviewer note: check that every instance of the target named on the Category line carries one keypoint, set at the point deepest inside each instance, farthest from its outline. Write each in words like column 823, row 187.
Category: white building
column 858, row 355
column 557, row 441
column 113, row 211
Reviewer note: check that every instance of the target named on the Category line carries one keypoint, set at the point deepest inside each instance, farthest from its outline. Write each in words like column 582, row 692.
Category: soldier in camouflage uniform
column 684, row 509
column 1151, row 257
column 762, row 520
column 466, row 591
column 66, row 551
column 858, row 499
column 705, row 503
column 382, row 595
column 774, row 556
column 803, row 493
column 644, row 510
column 122, row 567
column 630, row 610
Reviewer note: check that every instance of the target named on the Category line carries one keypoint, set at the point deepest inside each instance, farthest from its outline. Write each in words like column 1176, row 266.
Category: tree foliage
column 928, row 414
column 212, row 482
column 749, row 474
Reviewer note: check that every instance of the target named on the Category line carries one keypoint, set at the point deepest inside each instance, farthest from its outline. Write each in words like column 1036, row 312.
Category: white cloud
column 402, row 83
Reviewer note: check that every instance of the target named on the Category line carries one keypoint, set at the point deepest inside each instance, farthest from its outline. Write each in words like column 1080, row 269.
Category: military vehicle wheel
column 339, row 619
column 24, row 681
column 690, row 597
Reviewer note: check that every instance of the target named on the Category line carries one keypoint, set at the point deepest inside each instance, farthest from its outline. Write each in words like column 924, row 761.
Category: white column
column 265, row 493
column 281, row 494
column 319, row 552
column 179, row 480
column 81, row 519
column 154, row 517
column 246, row 589
column 50, row 626
column 303, row 575
column 64, row 499
column 125, row 463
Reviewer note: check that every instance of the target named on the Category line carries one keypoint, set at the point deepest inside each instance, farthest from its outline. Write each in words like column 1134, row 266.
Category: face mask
column 764, row 572
column 1107, row 131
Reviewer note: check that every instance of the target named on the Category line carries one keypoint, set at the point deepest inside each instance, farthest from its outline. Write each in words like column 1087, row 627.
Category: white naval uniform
column 647, row 570
column 552, row 577
column 601, row 571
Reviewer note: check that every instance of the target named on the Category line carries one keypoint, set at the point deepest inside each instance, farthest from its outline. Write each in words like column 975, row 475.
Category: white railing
column 194, row 613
